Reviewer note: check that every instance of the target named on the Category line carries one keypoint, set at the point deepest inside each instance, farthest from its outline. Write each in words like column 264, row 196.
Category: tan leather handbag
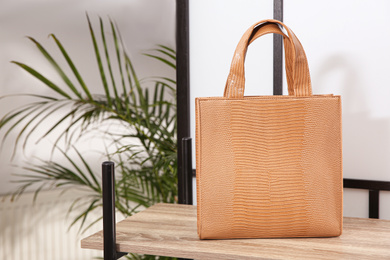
column 269, row 166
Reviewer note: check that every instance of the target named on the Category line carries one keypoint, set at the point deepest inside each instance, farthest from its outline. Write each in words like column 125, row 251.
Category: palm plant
column 137, row 120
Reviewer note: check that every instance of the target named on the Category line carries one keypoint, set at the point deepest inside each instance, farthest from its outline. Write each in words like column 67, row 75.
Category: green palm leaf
column 144, row 150
column 72, row 66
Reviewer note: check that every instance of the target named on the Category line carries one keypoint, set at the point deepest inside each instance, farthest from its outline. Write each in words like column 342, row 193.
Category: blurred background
column 39, row 230
column 346, row 43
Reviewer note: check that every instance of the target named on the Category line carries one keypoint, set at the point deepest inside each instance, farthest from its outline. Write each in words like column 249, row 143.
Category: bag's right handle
column 298, row 76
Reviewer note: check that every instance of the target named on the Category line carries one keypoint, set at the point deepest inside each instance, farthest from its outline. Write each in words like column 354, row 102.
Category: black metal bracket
column 278, row 51
column 186, row 181
column 108, row 183
column 373, row 196
column 182, row 84
column 109, row 231
column 186, row 171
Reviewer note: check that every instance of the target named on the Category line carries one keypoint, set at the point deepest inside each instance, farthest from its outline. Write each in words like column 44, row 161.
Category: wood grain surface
column 170, row 230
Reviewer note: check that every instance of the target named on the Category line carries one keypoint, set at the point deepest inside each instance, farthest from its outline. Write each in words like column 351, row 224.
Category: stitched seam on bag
column 267, row 98
column 341, row 164
column 198, row 166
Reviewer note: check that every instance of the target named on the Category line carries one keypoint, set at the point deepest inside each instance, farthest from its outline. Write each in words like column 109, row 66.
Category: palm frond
column 72, row 66
column 136, row 118
column 100, row 63
column 46, row 81
column 56, row 67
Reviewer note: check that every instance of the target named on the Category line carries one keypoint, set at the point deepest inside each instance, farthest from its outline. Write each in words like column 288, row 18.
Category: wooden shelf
column 170, row 230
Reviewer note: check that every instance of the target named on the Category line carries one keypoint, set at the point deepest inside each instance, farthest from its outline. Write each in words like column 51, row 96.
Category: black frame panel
column 182, row 89
column 373, row 187
column 278, row 51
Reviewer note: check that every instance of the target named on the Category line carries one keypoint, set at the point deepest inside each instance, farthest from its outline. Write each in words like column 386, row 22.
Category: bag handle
column 297, row 70
column 267, row 28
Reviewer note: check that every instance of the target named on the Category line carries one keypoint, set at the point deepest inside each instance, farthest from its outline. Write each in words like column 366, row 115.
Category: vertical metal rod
column 183, row 87
column 278, row 51
column 108, row 179
column 187, row 169
column 373, row 204
column 183, row 81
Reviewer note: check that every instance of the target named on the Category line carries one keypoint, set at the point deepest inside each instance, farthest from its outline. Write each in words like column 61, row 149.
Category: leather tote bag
column 269, row 166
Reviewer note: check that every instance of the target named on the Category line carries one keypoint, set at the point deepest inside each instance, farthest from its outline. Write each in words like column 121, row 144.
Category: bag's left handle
column 297, row 70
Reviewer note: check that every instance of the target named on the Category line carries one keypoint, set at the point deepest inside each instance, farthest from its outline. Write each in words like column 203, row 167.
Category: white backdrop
column 346, row 43
column 24, row 231
column 143, row 24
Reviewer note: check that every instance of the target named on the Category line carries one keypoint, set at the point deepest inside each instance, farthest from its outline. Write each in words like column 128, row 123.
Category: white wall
column 346, row 43
column 41, row 230
column 143, row 24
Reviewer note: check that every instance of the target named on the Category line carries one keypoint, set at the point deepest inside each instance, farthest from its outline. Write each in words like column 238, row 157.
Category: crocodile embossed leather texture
column 269, row 166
